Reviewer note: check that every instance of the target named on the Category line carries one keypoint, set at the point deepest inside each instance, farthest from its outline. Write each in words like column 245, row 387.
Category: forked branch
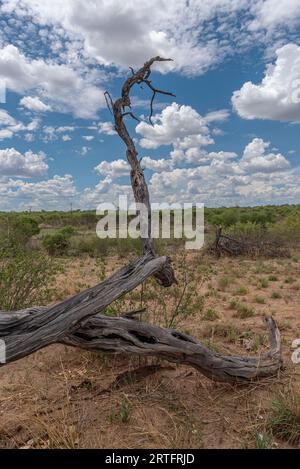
column 140, row 189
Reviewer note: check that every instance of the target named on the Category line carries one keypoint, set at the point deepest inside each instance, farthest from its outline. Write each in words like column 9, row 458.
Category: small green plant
column 210, row 344
column 290, row 280
column 233, row 303
column 263, row 441
column 223, row 283
column 273, row 278
column 68, row 230
column 276, row 295
column 241, row 291
column 242, row 311
column 226, row 330
column 263, row 283
column 170, row 306
column 259, row 342
column 283, row 325
column 101, row 264
column 284, row 419
column 259, row 300
column 210, row 315
column 124, row 411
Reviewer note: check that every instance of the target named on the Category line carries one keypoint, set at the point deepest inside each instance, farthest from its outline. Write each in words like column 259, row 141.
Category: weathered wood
column 166, row 276
column 127, row 336
column 122, row 335
column 245, row 245
column 24, row 334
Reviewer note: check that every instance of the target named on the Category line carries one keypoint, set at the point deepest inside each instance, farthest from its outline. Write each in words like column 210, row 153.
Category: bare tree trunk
column 166, row 276
column 77, row 321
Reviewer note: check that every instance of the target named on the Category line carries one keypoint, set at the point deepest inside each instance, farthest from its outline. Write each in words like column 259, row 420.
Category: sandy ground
column 64, row 397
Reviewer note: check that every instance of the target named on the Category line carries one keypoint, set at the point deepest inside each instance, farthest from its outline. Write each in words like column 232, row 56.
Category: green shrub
column 276, row 295
column 26, row 279
column 56, row 243
column 248, row 228
column 224, row 282
column 290, row 280
column 68, row 230
column 259, row 300
column 273, row 278
column 16, row 230
column 241, row 291
column 263, row 283
column 242, row 310
column 287, row 229
column 210, row 315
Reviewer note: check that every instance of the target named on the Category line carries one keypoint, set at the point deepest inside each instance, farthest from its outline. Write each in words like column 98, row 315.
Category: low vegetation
column 218, row 301
column 284, row 419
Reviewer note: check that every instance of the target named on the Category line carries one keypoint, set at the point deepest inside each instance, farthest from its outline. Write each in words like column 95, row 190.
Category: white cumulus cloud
column 177, row 125
column 277, row 97
column 34, row 104
column 255, row 158
column 63, row 86
column 29, row 164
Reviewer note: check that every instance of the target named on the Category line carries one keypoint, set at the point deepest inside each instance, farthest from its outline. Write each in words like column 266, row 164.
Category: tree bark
column 23, row 334
column 165, row 276
column 122, row 335
column 128, row 336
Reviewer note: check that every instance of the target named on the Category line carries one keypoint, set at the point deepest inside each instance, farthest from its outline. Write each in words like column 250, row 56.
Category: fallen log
column 119, row 335
column 23, row 335
column 29, row 331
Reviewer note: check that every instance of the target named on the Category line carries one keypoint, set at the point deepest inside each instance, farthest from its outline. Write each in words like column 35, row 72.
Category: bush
column 18, row 229
column 26, row 279
column 94, row 246
column 68, row 230
column 288, row 230
column 248, row 228
column 56, row 243
column 250, row 239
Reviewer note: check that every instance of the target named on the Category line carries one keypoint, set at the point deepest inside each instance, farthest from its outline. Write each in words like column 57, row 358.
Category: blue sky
column 229, row 137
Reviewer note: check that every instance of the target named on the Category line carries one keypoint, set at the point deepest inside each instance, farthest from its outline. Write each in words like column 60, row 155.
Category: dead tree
column 260, row 244
column 81, row 322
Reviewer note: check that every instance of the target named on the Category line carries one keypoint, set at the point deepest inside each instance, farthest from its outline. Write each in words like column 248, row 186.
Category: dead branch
column 120, row 335
column 138, row 183
column 124, row 335
column 246, row 245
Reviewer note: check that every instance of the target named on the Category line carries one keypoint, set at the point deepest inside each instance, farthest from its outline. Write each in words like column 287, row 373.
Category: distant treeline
column 215, row 216
column 74, row 233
